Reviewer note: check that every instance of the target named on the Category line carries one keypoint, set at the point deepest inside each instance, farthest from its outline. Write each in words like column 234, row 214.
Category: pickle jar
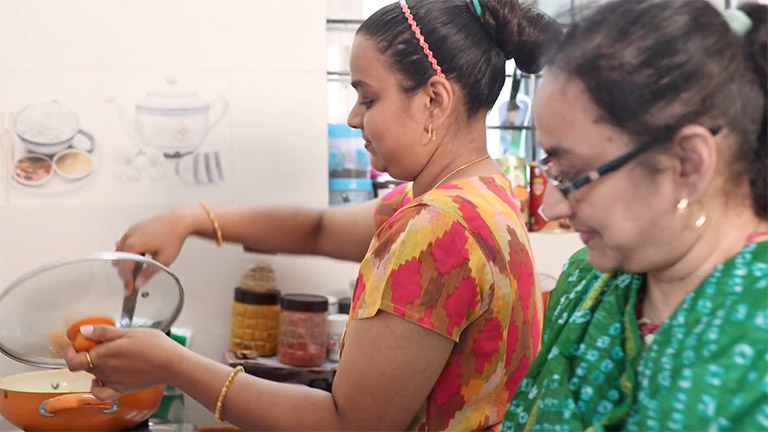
column 303, row 337
column 255, row 321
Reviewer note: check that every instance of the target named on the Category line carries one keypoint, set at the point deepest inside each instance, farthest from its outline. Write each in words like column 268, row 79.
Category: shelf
column 346, row 74
column 510, row 127
column 356, row 22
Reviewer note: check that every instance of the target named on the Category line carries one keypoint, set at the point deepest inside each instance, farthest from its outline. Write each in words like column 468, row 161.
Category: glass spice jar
column 303, row 336
column 255, row 321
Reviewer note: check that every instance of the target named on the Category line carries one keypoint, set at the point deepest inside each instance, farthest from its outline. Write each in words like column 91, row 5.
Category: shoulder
column 391, row 202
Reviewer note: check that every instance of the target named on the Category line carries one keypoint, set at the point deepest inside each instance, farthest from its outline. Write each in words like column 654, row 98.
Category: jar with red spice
column 303, row 336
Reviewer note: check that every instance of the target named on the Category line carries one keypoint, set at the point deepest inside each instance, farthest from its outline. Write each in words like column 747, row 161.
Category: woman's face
column 392, row 123
column 627, row 218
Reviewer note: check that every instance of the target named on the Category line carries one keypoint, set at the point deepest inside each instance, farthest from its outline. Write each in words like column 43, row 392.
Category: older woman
column 660, row 323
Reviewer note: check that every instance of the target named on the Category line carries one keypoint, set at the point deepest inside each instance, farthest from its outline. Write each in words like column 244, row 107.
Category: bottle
column 336, row 325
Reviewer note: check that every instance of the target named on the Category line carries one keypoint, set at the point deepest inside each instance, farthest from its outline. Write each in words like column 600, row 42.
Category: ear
column 695, row 153
column 440, row 100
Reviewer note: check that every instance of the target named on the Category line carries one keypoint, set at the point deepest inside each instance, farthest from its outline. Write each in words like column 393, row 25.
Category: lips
column 587, row 236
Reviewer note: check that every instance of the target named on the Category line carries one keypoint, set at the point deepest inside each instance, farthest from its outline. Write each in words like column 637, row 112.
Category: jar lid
column 37, row 308
column 304, row 303
column 344, row 305
column 269, row 297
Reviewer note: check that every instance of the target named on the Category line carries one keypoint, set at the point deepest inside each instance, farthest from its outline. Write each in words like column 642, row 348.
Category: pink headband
column 420, row 37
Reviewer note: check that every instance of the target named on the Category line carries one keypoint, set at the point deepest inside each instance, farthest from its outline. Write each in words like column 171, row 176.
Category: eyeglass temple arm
column 616, row 164
column 605, row 169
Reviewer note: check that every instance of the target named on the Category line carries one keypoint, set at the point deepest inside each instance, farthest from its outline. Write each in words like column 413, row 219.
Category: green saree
column 705, row 369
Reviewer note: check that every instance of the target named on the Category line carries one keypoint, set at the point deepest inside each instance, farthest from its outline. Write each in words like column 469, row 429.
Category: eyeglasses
column 567, row 188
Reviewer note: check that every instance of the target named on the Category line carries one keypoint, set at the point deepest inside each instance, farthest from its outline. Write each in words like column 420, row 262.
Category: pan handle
column 50, row 407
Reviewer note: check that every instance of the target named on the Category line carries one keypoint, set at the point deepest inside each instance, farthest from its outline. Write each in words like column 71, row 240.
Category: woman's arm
column 341, row 232
column 388, row 368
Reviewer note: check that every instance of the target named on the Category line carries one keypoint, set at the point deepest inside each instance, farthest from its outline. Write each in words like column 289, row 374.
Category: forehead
column 365, row 61
column 566, row 119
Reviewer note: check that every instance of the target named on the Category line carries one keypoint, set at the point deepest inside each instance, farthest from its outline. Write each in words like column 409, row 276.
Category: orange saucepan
column 61, row 400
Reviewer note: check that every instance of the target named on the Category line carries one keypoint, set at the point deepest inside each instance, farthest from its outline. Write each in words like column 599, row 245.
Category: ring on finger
column 89, row 360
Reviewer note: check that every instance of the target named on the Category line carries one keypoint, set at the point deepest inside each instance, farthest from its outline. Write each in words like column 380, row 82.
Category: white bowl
column 73, row 164
column 32, row 170
column 45, row 149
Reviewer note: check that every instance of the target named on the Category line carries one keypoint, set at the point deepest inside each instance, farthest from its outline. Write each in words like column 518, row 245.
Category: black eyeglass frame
column 608, row 167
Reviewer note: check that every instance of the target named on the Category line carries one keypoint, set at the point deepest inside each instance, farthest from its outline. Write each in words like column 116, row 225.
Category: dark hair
column 653, row 66
column 470, row 52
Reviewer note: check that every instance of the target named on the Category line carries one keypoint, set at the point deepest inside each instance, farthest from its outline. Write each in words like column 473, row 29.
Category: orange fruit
column 79, row 341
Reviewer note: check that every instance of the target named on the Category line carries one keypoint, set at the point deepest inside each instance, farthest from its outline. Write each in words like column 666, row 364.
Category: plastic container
column 255, row 321
column 303, row 335
column 344, row 305
column 336, row 325
column 350, row 191
column 347, row 157
column 333, row 304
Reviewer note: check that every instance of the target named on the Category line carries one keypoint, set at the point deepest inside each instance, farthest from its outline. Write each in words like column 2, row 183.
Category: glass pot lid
column 37, row 308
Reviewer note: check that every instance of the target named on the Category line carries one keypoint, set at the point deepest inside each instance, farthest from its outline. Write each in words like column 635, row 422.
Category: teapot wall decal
column 172, row 119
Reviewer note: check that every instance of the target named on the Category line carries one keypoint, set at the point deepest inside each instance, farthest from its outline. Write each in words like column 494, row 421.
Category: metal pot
column 61, row 400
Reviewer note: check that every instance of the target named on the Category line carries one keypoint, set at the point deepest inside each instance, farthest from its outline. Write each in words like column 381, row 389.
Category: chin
column 602, row 260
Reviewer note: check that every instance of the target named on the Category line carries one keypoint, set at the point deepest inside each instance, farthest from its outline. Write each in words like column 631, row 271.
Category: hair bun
column 522, row 33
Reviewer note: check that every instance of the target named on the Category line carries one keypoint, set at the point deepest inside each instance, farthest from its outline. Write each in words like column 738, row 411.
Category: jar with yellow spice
column 255, row 321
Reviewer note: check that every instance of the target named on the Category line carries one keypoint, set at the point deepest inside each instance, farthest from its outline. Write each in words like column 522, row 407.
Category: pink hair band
column 420, row 37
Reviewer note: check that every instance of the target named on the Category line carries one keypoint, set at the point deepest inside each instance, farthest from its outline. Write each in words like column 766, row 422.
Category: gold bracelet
column 223, row 394
column 212, row 217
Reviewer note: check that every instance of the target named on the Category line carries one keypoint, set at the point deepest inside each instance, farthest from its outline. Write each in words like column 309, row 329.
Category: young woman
column 446, row 312
column 660, row 324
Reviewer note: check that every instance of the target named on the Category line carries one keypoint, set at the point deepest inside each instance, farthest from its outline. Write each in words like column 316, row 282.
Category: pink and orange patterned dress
column 457, row 261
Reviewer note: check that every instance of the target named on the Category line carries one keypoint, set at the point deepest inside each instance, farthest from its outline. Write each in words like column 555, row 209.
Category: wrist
column 193, row 220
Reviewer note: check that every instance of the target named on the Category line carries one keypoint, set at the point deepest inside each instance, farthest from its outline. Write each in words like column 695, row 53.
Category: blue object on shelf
column 348, row 191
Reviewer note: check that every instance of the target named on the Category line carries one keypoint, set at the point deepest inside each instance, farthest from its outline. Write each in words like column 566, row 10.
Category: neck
column 455, row 150
column 721, row 237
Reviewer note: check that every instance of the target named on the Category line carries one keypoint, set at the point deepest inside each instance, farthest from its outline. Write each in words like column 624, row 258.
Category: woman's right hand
column 161, row 236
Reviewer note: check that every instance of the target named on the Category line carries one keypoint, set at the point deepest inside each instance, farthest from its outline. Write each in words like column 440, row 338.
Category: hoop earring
column 431, row 132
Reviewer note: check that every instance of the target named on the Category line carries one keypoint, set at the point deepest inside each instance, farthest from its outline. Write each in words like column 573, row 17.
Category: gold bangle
column 214, row 221
column 223, row 394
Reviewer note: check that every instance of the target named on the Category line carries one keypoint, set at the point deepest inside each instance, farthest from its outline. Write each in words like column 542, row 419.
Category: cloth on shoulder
column 705, row 369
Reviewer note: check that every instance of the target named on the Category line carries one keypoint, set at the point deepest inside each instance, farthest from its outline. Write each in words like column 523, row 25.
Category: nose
column 355, row 117
column 555, row 205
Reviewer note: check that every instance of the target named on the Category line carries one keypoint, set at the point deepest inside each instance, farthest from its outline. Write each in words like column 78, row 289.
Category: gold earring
column 682, row 205
column 700, row 221
column 431, row 132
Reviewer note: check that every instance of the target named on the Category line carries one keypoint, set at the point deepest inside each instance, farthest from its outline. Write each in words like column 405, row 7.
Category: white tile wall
column 273, row 140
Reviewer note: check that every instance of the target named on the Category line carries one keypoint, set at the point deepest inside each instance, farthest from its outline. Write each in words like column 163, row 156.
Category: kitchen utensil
column 35, row 312
column 37, row 308
column 201, row 168
column 171, row 119
column 60, row 400
column 129, row 301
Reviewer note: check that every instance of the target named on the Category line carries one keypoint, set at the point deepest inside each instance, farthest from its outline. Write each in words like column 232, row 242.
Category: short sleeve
column 426, row 267
column 391, row 202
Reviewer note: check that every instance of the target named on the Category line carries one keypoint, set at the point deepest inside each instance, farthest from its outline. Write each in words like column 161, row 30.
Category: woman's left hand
column 128, row 359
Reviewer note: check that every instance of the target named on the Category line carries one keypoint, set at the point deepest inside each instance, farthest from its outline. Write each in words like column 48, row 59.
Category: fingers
column 103, row 392
column 76, row 361
column 102, row 333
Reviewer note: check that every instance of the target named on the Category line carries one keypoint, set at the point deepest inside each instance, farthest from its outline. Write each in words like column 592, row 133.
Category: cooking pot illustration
column 172, row 119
